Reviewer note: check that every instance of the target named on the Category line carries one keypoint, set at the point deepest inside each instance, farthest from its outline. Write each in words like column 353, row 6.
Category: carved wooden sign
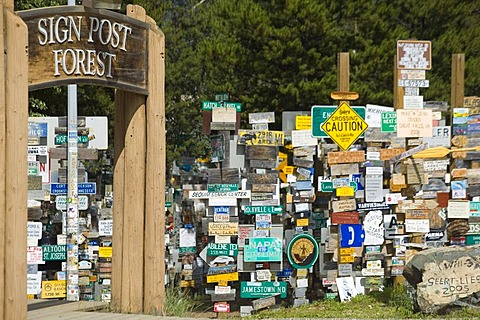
column 346, row 157
column 74, row 44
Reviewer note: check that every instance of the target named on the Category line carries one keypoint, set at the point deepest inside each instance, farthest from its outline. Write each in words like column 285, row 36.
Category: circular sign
column 302, row 251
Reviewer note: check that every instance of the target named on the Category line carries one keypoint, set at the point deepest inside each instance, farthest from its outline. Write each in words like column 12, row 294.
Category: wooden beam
column 3, row 153
column 118, row 199
column 154, row 262
column 398, row 92
column 343, row 75
column 134, row 194
column 458, row 80
column 16, row 139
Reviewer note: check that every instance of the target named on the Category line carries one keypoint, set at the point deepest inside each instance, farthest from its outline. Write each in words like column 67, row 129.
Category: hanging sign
column 74, row 44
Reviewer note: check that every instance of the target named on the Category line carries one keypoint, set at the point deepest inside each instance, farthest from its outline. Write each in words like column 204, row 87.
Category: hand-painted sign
column 302, row 251
column 263, row 249
column 262, row 289
column 223, row 228
column 344, row 126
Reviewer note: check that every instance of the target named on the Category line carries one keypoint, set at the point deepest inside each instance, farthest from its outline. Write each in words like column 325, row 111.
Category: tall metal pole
column 73, row 293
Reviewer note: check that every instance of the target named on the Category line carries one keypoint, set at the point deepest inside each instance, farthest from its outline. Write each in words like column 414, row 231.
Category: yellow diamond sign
column 344, row 126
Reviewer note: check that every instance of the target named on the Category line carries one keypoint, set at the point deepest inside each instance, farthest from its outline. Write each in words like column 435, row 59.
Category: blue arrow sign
column 351, row 235
column 83, row 188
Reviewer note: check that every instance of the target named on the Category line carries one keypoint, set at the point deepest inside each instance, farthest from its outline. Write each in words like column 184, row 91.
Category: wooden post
column 13, row 167
column 343, row 75
column 154, row 269
column 398, row 92
column 458, row 80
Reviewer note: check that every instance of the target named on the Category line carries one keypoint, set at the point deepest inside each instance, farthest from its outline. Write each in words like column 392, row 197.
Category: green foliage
column 179, row 304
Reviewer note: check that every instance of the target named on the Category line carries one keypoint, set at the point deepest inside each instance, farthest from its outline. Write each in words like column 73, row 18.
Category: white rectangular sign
column 413, row 102
column 417, row 225
column 374, row 188
column 61, row 202
column 414, row 123
column 243, row 194
column 373, row 115
column 105, row 227
column 303, row 138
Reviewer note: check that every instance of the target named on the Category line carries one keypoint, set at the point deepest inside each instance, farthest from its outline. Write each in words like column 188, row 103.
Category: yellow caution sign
column 344, row 126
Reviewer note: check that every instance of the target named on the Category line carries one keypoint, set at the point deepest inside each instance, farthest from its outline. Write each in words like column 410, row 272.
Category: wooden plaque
column 76, row 44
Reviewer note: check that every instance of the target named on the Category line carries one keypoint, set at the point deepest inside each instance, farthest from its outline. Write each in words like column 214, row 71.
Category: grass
column 392, row 303
column 179, row 303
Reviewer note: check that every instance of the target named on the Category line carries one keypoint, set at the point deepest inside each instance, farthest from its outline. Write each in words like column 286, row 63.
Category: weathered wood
column 154, row 260
column 457, row 80
column 267, row 178
column 304, row 151
column 261, row 152
column 398, row 92
column 83, row 153
column 344, row 169
column 127, row 70
column 14, row 105
column 345, row 157
column 263, row 187
column 343, row 72
column 387, row 154
column 263, row 303
column 344, row 205
column 227, row 175
column 303, row 162
column 263, row 164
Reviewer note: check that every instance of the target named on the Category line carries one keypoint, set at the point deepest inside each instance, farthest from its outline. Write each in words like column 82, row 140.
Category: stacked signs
column 343, row 201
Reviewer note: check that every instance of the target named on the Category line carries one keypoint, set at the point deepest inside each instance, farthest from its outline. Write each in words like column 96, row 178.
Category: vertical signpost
column 72, row 194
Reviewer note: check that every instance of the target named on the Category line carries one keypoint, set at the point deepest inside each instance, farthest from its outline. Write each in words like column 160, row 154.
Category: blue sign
column 356, row 178
column 83, row 188
column 351, row 235
column 37, row 129
column 221, row 209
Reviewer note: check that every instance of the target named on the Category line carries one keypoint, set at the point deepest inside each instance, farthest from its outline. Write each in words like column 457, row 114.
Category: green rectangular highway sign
column 54, row 252
column 262, row 209
column 263, row 289
column 222, row 249
column 263, row 250
column 222, row 187
column 389, row 122
column 209, row 105
column 62, row 138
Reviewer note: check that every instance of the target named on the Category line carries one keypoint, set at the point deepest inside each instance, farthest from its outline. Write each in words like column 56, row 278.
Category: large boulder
column 445, row 277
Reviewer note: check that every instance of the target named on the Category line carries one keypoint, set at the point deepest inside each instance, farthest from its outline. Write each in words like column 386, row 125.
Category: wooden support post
column 154, row 269
column 398, row 92
column 13, row 167
column 343, row 75
column 458, row 80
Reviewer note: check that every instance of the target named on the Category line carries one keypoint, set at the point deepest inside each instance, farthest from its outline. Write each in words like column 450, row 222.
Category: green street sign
column 54, row 252
column 263, row 289
column 168, row 204
column 222, row 96
column 222, row 249
column 326, row 186
column 187, row 249
column 354, row 185
column 320, row 114
column 389, row 122
column 62, row 138
column 222, row 187
column 262, row 249
column 262, row 209
column 209, row 105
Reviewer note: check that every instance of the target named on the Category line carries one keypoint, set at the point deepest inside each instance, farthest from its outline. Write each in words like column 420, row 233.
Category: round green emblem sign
column 302, row 251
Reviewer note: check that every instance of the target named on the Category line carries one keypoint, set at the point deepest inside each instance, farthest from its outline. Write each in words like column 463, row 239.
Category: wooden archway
column 138, row 273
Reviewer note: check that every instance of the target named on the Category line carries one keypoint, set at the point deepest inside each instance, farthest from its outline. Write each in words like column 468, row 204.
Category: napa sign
column 263, row 249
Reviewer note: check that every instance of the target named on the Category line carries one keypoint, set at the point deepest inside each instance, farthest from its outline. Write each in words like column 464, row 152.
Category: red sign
column 344, row 217
column 221, row 307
